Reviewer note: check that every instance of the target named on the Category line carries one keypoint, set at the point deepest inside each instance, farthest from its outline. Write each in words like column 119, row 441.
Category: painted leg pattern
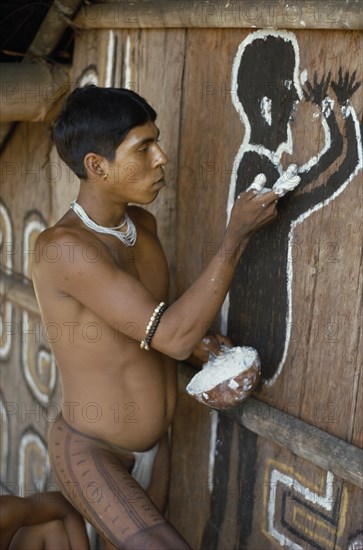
column 94, row 478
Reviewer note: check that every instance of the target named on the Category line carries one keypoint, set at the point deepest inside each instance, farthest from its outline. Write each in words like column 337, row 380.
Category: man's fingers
column 258, row 183
column 267, row 199
column 210, row 344
column 264, row 200
column 224, row 340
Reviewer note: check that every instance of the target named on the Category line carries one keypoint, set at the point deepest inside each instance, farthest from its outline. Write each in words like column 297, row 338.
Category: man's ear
column 95, row 165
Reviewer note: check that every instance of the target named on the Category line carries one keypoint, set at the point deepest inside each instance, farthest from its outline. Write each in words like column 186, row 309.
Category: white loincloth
column 143, row 466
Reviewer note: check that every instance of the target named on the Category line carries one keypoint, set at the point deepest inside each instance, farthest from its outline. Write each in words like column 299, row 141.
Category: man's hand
column 210, row 344
column 252, row 210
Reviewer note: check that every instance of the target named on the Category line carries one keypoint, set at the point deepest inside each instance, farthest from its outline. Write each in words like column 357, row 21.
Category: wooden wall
column 36, row 189
column 28, row 374
column 230, row 488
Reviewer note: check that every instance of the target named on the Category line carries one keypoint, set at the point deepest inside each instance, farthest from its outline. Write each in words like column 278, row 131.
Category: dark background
column 19, row 23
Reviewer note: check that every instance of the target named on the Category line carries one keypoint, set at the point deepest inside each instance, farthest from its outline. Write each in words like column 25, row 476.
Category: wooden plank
column 327, row 244
column 29, row 391
column 18, row 291
column 320, row 377
column 210, row 136
column 64, row 186
column 156, row 71
column 29, row 90
column 25, row 181
column 357, row 436
column 47, row 37
column 350, row 535
column 308, row 442
column 337, row 14
column 319, row 380
column 233, row 489
column 190, row 456
column 52, row 28
column 250, row 477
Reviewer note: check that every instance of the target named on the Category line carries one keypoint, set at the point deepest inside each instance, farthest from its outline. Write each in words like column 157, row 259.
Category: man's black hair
column 97, row 120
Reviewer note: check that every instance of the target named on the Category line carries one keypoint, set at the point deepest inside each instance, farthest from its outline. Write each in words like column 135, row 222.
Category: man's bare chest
column 146, row 262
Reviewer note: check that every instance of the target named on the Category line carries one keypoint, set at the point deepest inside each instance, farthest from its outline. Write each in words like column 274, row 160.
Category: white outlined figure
column 265, row 75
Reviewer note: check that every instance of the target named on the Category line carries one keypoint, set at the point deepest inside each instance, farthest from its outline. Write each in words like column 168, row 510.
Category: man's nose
column 160, row 158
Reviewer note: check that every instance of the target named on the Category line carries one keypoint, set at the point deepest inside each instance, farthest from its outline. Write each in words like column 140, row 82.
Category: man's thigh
column 95, row 480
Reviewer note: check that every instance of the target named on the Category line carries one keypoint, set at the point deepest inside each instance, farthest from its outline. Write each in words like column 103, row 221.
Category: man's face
column 137, row 173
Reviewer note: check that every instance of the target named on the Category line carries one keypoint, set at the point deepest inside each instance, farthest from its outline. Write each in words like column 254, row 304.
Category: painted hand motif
column 317, row 92
column 345, row 87
column 287, row 181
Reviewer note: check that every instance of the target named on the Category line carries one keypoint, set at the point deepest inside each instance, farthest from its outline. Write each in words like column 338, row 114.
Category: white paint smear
column 6, row 240
column 127, row 83
column 265, row 106
column 89, row 77
column 110, row 57
column 231, row 363
column 212, row 448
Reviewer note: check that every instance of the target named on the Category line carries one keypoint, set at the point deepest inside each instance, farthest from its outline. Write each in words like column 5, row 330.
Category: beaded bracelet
column 152, row 325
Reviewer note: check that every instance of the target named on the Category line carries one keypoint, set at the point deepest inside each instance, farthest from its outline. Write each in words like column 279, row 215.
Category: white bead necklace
column 128, row 237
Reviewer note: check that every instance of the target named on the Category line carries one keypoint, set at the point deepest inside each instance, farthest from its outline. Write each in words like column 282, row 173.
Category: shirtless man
column 117, row 346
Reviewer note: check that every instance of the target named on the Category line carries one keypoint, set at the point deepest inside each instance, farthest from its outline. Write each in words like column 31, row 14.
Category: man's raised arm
column 120, row 299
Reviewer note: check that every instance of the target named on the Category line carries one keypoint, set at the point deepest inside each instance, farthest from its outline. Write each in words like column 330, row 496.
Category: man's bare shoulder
column 65, row 227
column 61, row 237
column 65, row 246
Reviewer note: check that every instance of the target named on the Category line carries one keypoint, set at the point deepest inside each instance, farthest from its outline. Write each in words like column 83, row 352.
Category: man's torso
column 111, row 388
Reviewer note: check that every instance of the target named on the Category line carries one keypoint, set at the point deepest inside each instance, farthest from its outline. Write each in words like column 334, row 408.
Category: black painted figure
column 265, row 75
column 259, row 303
